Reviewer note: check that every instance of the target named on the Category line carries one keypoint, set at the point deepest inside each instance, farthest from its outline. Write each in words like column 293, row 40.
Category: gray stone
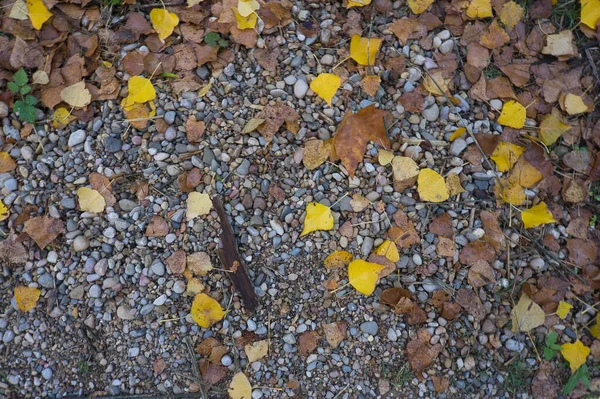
column 447, row 46
column 3, row 109
column 538, row 264
column 300, row 89
column 244, row 168
column 77, row 137
column 47, row 373
column 127, row 205
column 514, row 346
column 170, row 117
column 367, row 246
column 112, row 144
column 457, row 146
column 369, row 327
column 80, row 244
column 158, row 268
column 46, row 280
column 95, row 291
column 432, row 113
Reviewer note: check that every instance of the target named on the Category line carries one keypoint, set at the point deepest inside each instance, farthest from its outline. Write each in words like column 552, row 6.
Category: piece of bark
column 230, row 257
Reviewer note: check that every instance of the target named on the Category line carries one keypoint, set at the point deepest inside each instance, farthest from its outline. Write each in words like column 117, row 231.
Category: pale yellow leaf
column 90, row 200
column 240, row 387
column 384, row 156
column 527, row 315
column 256, row 350
column 434, row 82
column 76, row 95
column 199, row 263
column 40, row 78
column 326, row 85
column 454, row 185
column 551, row 128
column 62, row 117
column 431, row 186
column 252, row 124
column 574, row 104
column 247, row 7
column 19, row 10
column 198, row 204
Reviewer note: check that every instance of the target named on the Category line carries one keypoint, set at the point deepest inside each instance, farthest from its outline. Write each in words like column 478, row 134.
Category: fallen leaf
column 256, row 350
column 212, row 373
column 7, row 164
column 536, row 216
column 440, row 384
column 404, row 28
column 3, row 211
column 399, row 299
column 307, row 342
column 140, row 91
column 19, row 10
column 240, row 387
column 358, row 203
column 506, row 154
column 551, row 128
column 435, row 83
column 206, row 311
column 38, row 13
column 335, row 333
column 315, row 153
column 595, row 329
column 480, row 274
column 479, row 9
column 370, row 84
column 493, row 233
column 431, row 186
column 574, row 104
column 252, row 125
column 419, row 6
column 199, row 263
column 177, row 262
column 389, row 250
column 76, row 95
column 274, row 116
column 494, row 37
column 384, row 156
column 561, row 45
column 545, row 384
column 26, row 297
column 363, row 50
column 363, row 275
column 62, row 117
column 90, row 200
column 513, row 115
column 355, row 131
column 468, row 300
column 579, row 160
column 326, row 85
column 454, row 185
column 338, row 259
column 198, row 204
column 318, row 217
column 163, row 22
column 511, row 14
column 194, row 129
column 590, row 13
column 420, row 352
column 247, row 22
column 581, row 252
column 563, row 309
column 247, row 7
column 43, row 229
column 405, row 171
column 510, row 192
column 527, row 315
column 575, row 353
column 194, row 286
column 158, row 366
column 358, row 3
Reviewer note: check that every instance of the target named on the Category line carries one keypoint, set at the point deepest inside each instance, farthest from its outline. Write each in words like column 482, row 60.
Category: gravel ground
column 113, row 317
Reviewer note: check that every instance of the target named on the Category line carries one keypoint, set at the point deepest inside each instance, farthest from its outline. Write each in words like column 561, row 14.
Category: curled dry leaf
column 274, row 116
column 12, row 252
column 43, row 229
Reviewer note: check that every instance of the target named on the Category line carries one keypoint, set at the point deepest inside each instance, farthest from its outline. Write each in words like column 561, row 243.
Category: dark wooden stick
column 231, row 260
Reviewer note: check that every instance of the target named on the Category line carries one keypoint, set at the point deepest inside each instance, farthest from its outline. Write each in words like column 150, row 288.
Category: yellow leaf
column 431, row 186
column 513, row 115
column 240, row 387
column 432, row 81
column 506, row 154
column 358, row 3
column 19, row 10
column 510, row 192
column 480, row 9
column 252, row 125
column 384, row 156
column 140, row 91
column 576, row 354
column 590, row 13
column 205, row 89
column 247, row 7
column 524, row 174
column 191, row 3
column 326, row 85
column 537, row 215
column 38, row 13
column 40, row 77
column 206, row 311
column 389, row 250
column 363, row 50
column 62, row 117
column 454, row 185
column 457, row 133
column 527, row 315
column 511, row 14
column 563, row 309
column 26, row 297
column 574, row 104
column 318, row 217
column 256, row 350
column 595, row 330
column 90, row 200
column 551, row 128
column 199, row 263
column 3, row 211
column 76, row 95
column 338, row 259
column 363, row 275
column 6, row 162
column 163, row 22
column 194, row 286
column 198, row 204
column 248, row 22
column 419, row 6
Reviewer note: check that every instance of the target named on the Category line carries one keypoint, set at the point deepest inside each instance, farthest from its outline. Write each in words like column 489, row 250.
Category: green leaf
column 549, row 353
column 582, row 374
column 25, row 89
column 30, row 100
column 169, row 75
column 212, row 39
column 13, row 87
column 25, row 111
column 223, row 43
column 20, row 77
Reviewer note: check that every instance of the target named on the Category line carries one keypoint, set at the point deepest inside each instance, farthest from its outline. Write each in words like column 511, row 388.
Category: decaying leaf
column 199, row 263
column 384, row 156
column 274, row 116
column 206, row 311
column 316, row 152
column 406, row 172
column 370, row 84
column 511, row 14
column 177, row 262
column 7, row 164
column 307, row 342
column 158, row 227
column 43, row 229
column 480, row 274
column 453, row 185
column 335, row 333
column 527, row 315
column 420, row 352
column 76, row 95
column 561, row 45
column 358, row 203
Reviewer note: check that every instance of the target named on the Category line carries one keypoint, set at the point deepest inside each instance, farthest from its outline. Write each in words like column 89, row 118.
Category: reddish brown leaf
column 275, row 116
column 579, row 227
column 212, row 373
column 545, row 384
column 480, row 274
column 194, row 129
column 442, row 226
column 471, row 303
column 159, row 366
column 308, row 341
column 440, row 384
column 450, row 310
column 12, row 252
column 494, row 37
column 43, row 229
column 493, row 233
column 582, row 252
column 177, row 261
column 476, row 250
column 335, row 333
column 158, row 227
column 413, row 101
column 420, row 352
column 133, row 63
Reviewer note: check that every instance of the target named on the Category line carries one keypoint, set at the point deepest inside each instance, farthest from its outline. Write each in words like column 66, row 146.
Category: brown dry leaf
column 404, row 28
column 274, row 116
column 561, row 45
column 212, row 373
column 440, row 384
column 307, row 342
column 477, row 250
column 445, row 247
column 404, row 235
column 518, row 73
column 493, row 233
column 199, row 263
column 469, row 301
column 442, row 226
column 355, row 131
column 177, row 261
column 133, row 63
column 413, row 101
column 158, row 366
column 494, row 37
column 573, row 191
column 43, row 229
column 205, row 347
column 420, row 352
column 102, row 184
column 480, row 274
column 370, row 84
column 545, row 384
column 406, row 172
column 315, row 153
column 335, row 333
column 478, row 56
column 579, row 160
column 389, row 266
column 582, row 252
column 399, row 299
column 7, row 164
column 12, row 251
column 358, row 203
column 578, row 227
column 434, row 81
column 440, row 297
column 267, row 58
column 194, row 129
column 158, row 227
column 331, row 284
